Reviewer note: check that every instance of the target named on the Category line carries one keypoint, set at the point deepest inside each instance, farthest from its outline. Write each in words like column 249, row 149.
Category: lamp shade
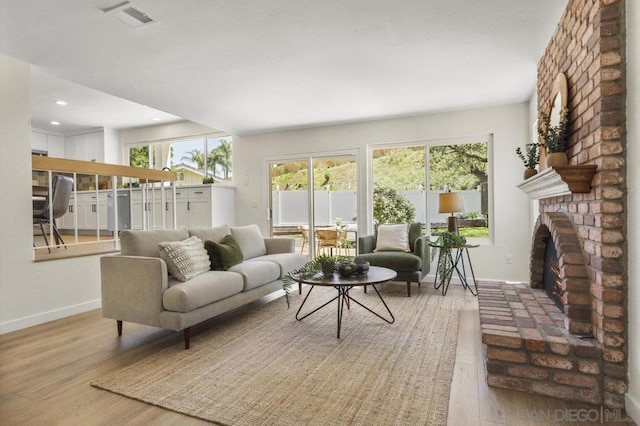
column 450, row 202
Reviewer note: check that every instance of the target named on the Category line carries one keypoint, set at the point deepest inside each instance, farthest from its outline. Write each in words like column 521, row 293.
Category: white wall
column 510, row 128
column 178, row 130
column 30, row 293
column 534, row 205
column 111, row 148
column 633, row 205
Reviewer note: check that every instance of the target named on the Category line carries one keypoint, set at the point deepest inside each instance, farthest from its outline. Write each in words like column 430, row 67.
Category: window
column 408, row 179
column 188, row 158
column 461, row 168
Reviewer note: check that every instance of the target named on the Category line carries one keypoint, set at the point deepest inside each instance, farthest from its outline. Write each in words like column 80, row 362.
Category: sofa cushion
column 256, row 273
column 224, row 254
column 250, row 240
column 185, row 259
column 210, row 234
column 145, row 243
column 288, row 262
column 206, row 288
column 393, row 238
column 396, row 260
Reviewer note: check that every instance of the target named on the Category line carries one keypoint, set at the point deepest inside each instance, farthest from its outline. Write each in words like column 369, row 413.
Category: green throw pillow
column 224, row 254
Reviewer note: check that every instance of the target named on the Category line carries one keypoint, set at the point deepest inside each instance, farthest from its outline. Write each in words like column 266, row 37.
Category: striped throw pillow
column 185, row 259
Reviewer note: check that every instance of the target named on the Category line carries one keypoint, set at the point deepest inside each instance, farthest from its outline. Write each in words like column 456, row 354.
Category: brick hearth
column 529, row 349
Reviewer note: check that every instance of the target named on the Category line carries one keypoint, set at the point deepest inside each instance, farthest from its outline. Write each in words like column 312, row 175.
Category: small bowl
column 349, row 269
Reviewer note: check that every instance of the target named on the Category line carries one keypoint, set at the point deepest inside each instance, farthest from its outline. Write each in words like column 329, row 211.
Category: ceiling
column 85, row 108
column 245, row 66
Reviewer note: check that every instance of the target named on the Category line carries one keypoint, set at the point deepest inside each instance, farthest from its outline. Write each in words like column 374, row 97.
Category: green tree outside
column 139, row 156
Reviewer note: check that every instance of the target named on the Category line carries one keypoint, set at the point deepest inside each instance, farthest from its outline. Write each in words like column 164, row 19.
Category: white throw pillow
column 185, row 259
column 393, row 238
column 250, row 240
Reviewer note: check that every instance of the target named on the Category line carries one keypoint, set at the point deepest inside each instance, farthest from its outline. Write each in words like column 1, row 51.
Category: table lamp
column 451, row 202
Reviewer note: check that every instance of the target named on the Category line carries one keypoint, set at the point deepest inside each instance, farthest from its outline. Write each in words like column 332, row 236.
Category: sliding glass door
column 289, row 201
column 315, row 201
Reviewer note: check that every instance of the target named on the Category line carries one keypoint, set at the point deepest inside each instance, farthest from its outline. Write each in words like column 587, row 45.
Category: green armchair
column 410, row 266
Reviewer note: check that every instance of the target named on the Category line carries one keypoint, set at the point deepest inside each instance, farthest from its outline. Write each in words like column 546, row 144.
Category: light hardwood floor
column 45, row 373
column 86, row 245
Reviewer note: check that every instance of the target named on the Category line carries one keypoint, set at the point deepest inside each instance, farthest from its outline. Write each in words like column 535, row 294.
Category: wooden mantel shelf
column 559, row 180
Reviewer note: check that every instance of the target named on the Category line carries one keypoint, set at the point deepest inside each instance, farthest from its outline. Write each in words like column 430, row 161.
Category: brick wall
column 589, row 48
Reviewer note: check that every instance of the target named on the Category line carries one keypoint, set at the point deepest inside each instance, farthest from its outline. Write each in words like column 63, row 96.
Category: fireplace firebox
column 551, row 281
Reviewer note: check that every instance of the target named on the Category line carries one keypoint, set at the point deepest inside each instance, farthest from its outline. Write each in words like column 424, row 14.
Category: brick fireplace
column 578, row 352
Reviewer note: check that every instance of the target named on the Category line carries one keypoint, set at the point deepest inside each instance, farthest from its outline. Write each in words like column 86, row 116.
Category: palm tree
column 221, row 155
column 213, row 159
column 195, row 156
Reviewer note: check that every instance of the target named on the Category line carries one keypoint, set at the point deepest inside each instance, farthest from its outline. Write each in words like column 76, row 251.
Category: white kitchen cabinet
column 94, row 209
column 53, row 145
column 205, row 206
column 38, row 141
column 151, row 210
column 91, row 211
column 87, row 147
column 158, row 207
column 138, row 210
column 197, row 206
column 67, row 221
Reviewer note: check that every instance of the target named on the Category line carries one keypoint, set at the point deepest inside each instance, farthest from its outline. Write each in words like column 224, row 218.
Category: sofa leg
column 408, row 288
column 299, row 288
column 119, row 327
column 187, row 337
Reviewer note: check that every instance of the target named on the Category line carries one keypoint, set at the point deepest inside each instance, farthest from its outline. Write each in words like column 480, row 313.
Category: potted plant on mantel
column 555, row 138
column 530, row 158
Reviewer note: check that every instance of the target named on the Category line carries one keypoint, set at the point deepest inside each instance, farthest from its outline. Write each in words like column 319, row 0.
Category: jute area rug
column 262, row 367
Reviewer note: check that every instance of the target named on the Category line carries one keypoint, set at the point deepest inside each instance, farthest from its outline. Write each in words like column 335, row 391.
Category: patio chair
column 330, row 238
column 305, row 236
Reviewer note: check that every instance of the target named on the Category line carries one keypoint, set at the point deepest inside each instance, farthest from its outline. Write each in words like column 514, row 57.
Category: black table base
column 459, row 266
column 344, row 300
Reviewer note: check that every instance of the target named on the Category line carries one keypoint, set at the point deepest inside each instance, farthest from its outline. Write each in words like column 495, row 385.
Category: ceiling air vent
column 129, row 14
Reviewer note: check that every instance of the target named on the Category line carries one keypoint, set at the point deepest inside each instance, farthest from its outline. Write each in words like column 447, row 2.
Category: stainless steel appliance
column 124, row 211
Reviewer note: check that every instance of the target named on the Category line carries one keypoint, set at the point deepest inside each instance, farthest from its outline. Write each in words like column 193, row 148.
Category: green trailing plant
column 443, row 245
column 554, row 137
column 322, row 264
column 391, row 207
column 531, row 156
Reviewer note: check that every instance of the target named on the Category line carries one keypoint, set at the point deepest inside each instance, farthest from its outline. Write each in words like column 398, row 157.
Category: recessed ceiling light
column 61, row 102
column 55, row 123
column 155, row 119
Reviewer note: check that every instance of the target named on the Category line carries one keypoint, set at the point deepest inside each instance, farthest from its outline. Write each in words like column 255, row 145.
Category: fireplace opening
column 551, row 281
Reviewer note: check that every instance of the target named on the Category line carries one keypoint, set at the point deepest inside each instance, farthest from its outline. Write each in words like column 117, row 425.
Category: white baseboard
column 44, row 317
column 632, row 407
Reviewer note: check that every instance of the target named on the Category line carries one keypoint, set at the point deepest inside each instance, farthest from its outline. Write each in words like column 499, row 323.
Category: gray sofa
column 136, row 286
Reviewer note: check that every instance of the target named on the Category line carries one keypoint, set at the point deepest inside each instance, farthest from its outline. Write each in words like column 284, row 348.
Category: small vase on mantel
column 529, row 172
column 557, row 159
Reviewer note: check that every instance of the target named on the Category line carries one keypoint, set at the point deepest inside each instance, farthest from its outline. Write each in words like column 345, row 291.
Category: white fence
column 292, row 207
